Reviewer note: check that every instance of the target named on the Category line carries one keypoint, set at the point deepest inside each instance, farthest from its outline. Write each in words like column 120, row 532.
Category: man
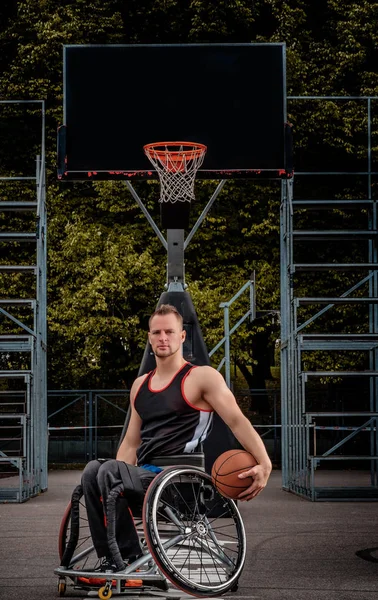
column 171, row 412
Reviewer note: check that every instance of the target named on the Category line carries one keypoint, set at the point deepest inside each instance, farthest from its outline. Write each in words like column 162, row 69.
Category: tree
column 106, row 268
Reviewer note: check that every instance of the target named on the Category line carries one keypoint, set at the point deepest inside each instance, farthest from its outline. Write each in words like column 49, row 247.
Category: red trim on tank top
column 186, row 399
column 142, row 382
column 168, row 384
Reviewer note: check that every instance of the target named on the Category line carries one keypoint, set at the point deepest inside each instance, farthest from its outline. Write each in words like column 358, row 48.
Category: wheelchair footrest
column 146, row 576
column 99, row 581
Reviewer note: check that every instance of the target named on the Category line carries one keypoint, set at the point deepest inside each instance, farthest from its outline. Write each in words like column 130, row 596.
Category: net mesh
column 176, row 164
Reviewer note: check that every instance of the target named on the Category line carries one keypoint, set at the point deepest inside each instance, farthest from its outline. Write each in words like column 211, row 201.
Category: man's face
column 166, row 336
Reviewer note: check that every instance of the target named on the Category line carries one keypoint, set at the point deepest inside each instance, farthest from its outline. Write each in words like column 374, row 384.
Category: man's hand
column 260, row 476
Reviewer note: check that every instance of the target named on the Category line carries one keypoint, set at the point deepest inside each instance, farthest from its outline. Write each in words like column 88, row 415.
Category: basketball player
column 171, row 413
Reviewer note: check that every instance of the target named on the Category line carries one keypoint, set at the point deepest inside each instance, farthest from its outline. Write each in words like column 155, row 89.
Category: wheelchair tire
column 195, row 535
column 75, row 542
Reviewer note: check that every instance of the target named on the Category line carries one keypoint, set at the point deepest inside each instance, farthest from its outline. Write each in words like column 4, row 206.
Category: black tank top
column 170, row 425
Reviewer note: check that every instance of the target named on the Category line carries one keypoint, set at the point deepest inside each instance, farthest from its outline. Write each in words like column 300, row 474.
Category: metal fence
column 87, row 424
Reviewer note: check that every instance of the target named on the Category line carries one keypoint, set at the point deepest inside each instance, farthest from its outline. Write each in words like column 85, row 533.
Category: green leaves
column 106, row 267
column 101, row 278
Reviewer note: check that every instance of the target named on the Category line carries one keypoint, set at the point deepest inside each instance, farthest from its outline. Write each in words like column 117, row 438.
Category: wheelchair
column 192, row 540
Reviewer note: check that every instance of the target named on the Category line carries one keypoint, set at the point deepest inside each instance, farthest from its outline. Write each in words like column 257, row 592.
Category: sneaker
column 106, row 564
column 130, row 559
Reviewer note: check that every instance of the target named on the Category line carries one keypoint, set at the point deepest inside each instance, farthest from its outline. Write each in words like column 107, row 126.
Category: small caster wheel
column 104, row 593
column 235, row 587
column 61, row 587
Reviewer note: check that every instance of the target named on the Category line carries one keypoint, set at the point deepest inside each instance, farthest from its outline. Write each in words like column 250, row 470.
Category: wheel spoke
column 210, row 554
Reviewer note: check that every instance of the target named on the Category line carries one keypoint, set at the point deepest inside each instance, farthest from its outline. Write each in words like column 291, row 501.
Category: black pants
column 98, row 480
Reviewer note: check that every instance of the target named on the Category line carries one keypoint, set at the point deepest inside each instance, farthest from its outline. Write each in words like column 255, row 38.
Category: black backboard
column 117, row 98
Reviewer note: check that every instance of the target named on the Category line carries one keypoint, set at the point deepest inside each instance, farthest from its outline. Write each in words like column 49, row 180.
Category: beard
column 165, row 353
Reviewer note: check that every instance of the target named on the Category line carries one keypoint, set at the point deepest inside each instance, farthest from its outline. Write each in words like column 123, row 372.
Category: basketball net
column 176, row 164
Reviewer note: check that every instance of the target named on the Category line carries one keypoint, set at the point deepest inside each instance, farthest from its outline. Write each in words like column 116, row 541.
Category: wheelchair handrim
column 157, row 548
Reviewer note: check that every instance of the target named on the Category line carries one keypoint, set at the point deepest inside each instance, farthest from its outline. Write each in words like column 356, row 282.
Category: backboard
column 117, row 98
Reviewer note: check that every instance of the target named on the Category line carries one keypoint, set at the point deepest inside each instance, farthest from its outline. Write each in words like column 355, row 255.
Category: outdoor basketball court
column 296, row 550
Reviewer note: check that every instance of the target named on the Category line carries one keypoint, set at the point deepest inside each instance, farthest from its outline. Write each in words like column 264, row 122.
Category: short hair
column 166, row 309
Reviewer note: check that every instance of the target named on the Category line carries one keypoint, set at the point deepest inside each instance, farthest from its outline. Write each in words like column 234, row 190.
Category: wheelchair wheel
column 195, row 535
column 75, row 543
column 76, row 550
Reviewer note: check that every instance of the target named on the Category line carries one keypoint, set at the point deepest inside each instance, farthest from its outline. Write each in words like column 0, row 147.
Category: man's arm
column 131, row 441
column 216, row 393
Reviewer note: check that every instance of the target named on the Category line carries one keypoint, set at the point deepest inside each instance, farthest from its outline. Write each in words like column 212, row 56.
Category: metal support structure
column 175, row 244
column 312, row 440
column 175, row 250
column 23, row 446
column 225, row 341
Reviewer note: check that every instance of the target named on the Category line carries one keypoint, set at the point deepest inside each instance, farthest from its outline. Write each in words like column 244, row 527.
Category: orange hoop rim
column 187, row 149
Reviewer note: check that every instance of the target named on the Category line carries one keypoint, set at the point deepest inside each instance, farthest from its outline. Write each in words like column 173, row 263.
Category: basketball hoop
column 176, row 164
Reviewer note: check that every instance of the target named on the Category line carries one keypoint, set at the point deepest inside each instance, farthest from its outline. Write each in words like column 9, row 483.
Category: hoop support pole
column 204, row 213
column 175, row 264
column 147, row 215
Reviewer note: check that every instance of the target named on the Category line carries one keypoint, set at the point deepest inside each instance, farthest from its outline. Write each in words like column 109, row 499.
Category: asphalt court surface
column 296, row 549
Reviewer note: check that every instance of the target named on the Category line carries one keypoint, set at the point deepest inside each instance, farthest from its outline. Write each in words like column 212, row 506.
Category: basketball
column 226, row 469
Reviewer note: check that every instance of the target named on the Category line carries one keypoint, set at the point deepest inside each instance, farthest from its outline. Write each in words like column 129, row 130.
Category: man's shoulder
column 202, row 368
column 205, row 371
column 140, row 378
column 138, row 381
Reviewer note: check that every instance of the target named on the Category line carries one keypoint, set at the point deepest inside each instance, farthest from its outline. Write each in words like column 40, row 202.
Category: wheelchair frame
column 192, row 537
